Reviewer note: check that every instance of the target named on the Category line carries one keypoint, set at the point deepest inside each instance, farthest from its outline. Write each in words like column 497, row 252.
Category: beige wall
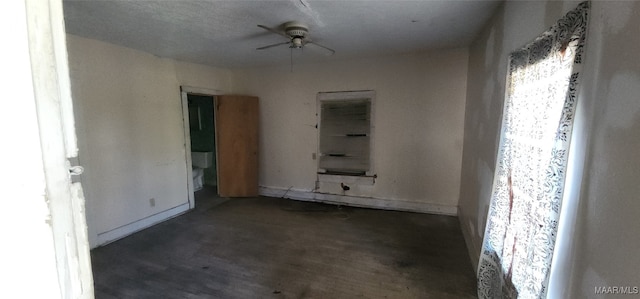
column 131, row 134
column 130, row 130
column 607, row 225
column 419, row 111
column 598, row 237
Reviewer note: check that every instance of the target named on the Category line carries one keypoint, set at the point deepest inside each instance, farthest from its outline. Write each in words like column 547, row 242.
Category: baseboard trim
column 472, row 249
column 364, row 202
column 118, row 233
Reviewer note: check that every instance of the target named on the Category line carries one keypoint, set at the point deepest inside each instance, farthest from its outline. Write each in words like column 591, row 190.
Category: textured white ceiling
column 225, row 33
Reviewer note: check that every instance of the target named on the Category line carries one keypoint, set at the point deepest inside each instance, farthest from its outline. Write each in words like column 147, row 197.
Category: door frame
column 185, row 91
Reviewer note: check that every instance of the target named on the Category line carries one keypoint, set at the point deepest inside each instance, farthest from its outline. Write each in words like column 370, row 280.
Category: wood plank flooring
column 278, row 248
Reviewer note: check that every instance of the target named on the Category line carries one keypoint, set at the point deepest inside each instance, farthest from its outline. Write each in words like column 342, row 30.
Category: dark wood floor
column 279, row 248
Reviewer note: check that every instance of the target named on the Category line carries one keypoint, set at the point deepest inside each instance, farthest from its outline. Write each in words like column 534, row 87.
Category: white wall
column 130, row 132
column 418, row 124
column 598, row 235
column 606, row 238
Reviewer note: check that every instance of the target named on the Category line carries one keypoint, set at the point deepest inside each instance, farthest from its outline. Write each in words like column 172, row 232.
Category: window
column 345, row 132
column 520, row 235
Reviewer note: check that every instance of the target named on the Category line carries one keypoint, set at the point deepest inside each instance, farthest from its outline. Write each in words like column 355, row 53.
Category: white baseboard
column 115, row 234
column 467, row 234
column 365, row 202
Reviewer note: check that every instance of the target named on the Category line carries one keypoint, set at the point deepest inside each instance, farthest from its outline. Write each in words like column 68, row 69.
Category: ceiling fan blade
column 321, row 46
column 274, row 31
column 274, row 45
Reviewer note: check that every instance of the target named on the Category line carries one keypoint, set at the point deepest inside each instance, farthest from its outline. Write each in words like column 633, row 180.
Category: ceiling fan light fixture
column 296, row 42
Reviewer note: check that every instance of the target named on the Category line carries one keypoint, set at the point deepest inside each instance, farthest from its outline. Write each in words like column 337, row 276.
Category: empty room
column 322, row 149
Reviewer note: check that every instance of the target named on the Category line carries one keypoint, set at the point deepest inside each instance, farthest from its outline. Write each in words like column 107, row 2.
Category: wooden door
column 237, row 145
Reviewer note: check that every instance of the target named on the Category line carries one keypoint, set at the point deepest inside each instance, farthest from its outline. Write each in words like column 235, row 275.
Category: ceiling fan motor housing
column 295, row 29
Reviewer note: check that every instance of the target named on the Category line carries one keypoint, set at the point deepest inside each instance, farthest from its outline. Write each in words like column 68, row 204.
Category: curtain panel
column 531, row 165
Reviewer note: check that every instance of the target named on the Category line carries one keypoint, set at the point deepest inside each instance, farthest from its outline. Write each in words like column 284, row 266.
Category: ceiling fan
column 297, row 35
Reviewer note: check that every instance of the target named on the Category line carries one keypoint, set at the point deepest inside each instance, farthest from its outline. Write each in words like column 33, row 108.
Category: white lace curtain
column 530, row 172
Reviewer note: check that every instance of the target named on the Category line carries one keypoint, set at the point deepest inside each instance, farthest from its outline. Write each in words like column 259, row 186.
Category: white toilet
column 200, row 161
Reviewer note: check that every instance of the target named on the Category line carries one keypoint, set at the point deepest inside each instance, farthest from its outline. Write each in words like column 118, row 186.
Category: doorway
column 200, row 139
column 229, row 141
column 202, row 132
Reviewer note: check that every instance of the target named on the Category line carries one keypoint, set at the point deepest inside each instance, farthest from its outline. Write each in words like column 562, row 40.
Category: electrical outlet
column 313, row 156
column 152, row 202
